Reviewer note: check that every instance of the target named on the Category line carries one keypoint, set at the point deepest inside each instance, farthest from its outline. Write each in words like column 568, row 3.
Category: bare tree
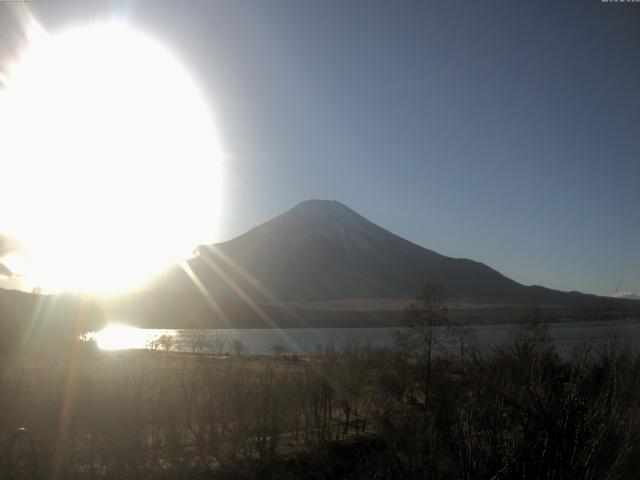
column 167, row 342
column 217, row 344
column 459, row 332
column 239, row 347
column 195, row 339
column 424, row 334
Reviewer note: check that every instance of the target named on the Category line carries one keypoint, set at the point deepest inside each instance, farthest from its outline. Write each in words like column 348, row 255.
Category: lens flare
column 110, row 160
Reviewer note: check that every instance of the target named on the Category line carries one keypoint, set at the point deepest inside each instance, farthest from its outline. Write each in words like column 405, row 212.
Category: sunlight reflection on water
column 309, row 341
column 124, row 337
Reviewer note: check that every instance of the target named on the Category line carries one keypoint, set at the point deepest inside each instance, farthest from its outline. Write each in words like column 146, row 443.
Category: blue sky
column 507, row 132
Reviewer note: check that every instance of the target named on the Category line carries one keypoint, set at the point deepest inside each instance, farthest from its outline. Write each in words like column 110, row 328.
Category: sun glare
column 110, row 161
column 123, row 337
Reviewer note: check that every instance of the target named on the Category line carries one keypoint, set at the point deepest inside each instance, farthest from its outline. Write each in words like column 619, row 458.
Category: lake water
column 309, row 341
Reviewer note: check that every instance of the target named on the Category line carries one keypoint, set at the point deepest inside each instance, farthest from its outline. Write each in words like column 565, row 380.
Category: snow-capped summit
column 329, row 220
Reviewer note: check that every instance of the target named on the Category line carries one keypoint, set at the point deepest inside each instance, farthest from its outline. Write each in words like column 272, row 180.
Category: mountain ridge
column 323, row 250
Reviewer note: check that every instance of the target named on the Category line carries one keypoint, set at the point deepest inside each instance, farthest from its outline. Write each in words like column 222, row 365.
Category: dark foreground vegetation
column 427, row 408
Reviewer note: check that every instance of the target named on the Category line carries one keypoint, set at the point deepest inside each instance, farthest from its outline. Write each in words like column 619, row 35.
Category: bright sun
column 109, row 157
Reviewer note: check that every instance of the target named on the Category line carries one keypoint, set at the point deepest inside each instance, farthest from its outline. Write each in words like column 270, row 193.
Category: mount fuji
column 322, row 264
column 322, row 250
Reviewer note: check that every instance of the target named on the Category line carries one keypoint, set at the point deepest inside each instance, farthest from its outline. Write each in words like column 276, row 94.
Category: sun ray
column 33, row 327
column 257, row 285
column 252, row 280
column 241, row 293
column 213, row 303
column 68, row 396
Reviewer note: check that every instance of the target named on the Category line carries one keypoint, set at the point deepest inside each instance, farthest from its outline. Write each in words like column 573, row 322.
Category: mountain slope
column 322, row 250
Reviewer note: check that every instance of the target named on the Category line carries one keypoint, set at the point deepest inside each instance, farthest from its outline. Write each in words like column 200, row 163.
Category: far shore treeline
column 27, row 319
